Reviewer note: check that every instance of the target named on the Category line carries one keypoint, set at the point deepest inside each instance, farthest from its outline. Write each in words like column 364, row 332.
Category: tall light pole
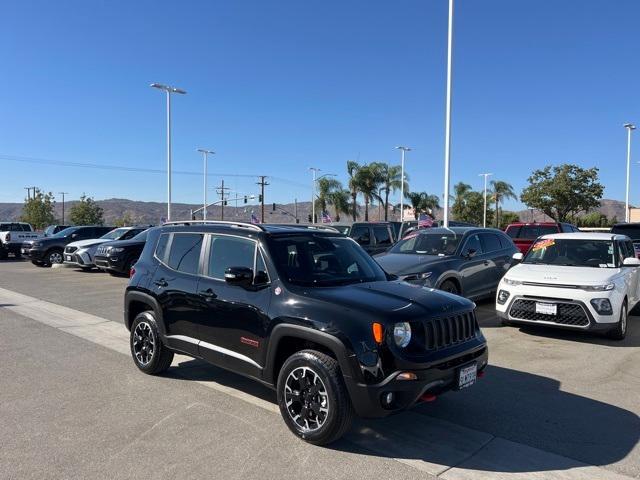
column 314, row 170
column 63, row 194
column 168, row 90
column 204, row 204
column 630, row 127
column 402, row 150
column 484, row 216
column 447, row 135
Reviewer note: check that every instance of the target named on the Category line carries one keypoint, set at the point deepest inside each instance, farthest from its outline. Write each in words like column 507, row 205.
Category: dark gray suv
column 467, row 261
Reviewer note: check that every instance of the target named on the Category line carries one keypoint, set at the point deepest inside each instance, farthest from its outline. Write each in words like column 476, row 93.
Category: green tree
column 124, row 221
column 353, row 168
column 391, row 182
column 563, row 191
column 38, row 210
column 468, row 205
column 422, row 202
column 593, row 219
column 86, row 212
column 500, row 191
column 326, row 186
column 339, row 199
column 508, row 217
column 368, row 180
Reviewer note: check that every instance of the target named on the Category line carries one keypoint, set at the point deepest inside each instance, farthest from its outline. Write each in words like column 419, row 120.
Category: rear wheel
column 619, row 332
column 149, row 353
column 450, row 286
column 312, row 397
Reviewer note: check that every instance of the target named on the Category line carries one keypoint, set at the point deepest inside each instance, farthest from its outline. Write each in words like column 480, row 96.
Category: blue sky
column 277, row 87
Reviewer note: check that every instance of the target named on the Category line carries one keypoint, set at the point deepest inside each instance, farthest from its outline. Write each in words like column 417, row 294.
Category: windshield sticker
column 610, row 250
column 549, row 242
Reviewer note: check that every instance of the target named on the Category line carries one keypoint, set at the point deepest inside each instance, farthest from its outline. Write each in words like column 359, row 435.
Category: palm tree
column 326, row 186
column 340, row 201
column 391, row 182
column 368, row 179
column 501, row 191
column 353, row 168
column 422, row 201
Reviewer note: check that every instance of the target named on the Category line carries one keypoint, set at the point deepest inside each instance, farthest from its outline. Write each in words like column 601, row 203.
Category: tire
column 38, row 263
column 331, row 413
column 3, row 254
column 147, row 350
column 450, row 287
column 619, row 332
column 53, row 256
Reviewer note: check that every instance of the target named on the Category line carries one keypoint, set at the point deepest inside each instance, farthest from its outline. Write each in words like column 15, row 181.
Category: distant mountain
column 154, row 212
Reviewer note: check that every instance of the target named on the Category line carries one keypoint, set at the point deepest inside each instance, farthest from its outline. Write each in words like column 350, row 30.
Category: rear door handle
column 208, row 294
column 161, row 283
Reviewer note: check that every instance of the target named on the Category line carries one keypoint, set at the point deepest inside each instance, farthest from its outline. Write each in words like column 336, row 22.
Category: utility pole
column 63, row 194
column 204, row 157
column 484, row 216
column 222, row 191
column 630, row 127
column 28, row 189
column 447, row 136
column 262, row 184
column 403, row 150
column 295, row 209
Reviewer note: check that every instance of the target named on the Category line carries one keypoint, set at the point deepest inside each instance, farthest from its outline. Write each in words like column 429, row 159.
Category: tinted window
column 473, row 243
column 535, row 231
column 491, row 242
column 505, row 241
column 184, row 254
column 131, row 233
column 382, row 235
column 361, row 235
column 631, row 230
column 230, row 252
column 428, row 243
column 161, row 247
column 626, row 249
column 142, row 236
column 513, row 231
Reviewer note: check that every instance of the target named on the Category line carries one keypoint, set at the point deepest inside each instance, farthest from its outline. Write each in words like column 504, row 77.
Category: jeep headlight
column 116, row 249
column 402, row 334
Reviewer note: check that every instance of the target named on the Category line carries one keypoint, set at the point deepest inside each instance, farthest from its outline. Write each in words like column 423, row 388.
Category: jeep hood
column 390, row 301
column 88, row 243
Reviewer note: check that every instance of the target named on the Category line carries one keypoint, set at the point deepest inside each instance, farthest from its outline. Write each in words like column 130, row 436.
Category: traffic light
column 225, row 203
column 260, row 198
column 274, row 206
column 245, row 199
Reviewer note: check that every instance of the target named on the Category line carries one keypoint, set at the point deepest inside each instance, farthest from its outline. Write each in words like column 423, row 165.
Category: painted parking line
column 427, row 444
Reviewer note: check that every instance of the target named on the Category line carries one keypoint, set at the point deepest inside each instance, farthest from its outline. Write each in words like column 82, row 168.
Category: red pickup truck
column 524, row 234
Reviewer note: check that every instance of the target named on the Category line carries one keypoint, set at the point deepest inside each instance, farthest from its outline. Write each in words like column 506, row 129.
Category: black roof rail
column 251, row 226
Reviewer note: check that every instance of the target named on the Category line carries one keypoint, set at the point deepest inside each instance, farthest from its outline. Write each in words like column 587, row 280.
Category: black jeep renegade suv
column 305, row 311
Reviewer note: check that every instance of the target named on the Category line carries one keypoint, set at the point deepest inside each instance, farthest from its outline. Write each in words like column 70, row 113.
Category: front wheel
column 54, row 257
column 450, row 287
column 313, row 398
column 148, row 352
column 619, row 332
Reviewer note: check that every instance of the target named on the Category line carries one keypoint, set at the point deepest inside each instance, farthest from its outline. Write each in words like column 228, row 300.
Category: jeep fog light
column 503, row 296
column 387, row 399
column 402, row 334
column 602, row 306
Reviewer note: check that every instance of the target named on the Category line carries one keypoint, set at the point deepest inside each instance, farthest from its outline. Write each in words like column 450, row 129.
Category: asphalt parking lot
column 552, row 405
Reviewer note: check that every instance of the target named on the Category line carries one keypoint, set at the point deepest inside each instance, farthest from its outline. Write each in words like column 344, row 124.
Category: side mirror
column 470, row 253
column 631, row 262
column 518, row 256
column 240, row 276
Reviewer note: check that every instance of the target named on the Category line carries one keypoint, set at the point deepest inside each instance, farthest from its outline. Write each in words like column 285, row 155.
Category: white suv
column 580, row 281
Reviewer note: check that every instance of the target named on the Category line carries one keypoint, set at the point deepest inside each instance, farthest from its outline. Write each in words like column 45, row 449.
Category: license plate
column 467, row 376
column 24, row 250
column 67, row 258
column 546, row 308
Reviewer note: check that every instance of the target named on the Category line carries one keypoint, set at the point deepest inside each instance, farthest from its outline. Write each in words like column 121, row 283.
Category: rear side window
column 361, row 235
column 161, row 247
column 184, row 254
column 382, row 235
column 228, row 252
column 473, row 243
column 513, row 232
column 535, row 231
column 491, row 243
column 505, row 241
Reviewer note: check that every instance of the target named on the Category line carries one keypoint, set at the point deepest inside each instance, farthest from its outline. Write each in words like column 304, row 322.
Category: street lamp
column 204, row 155
column 169, row 90
column 402, row 150
column 484, row 217
column 447, row 136
column 630, row 127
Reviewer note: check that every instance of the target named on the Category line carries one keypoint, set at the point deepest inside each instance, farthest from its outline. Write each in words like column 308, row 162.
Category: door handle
column 208, row 294
column 486, row 263
column 161, row 283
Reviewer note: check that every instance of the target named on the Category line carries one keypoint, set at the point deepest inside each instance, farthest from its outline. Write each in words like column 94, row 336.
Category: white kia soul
column 580, row 281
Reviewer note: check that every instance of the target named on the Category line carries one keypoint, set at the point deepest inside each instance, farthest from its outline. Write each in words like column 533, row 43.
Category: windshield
column 631, row 231
column 428, row 244
column 115, row 234
column 572, row 253
column 321, row 260
column 64, row 233
column 344, row 229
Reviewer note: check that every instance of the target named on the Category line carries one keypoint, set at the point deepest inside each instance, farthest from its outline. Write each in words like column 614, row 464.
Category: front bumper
column 367, row 400
column 79, row 258
column 114, row 264
column 34, row 254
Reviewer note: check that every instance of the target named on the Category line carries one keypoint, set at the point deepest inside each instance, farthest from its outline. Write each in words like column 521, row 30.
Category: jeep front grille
column 447, row 331
column 571, row 314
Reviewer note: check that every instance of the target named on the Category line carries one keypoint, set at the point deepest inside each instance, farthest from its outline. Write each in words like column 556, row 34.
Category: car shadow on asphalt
column 508, row 404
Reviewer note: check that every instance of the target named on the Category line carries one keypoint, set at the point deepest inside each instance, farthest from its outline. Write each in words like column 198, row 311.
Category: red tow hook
column 481, row 374
column 428, row 397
